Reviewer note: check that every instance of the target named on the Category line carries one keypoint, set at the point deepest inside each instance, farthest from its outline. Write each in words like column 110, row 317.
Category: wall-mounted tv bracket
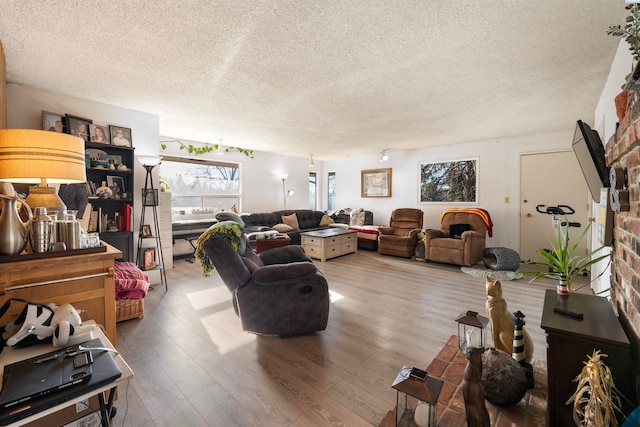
column 619, row 195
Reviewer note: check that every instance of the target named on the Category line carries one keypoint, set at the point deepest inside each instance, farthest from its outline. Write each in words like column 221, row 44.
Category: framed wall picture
column 146, row 230
column 78, row 126
column 150, row 197
column 375, row 183
column 53, row 122
column 149, row 257
column 453, row 181
column 116, row 184
column 99, row 134
column 120, row 136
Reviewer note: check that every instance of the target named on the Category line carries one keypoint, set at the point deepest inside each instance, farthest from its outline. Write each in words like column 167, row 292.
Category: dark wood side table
column 264, row 244
column 570, row 340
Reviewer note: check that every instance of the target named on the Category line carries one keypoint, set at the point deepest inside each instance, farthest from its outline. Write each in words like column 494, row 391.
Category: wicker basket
column 129, row 309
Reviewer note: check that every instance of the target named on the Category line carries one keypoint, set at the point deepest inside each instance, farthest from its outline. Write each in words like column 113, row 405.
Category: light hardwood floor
column 194, row 366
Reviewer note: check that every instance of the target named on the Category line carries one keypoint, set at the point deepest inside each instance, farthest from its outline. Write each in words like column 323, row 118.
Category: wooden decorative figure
column 474, row 405
column 502, row 321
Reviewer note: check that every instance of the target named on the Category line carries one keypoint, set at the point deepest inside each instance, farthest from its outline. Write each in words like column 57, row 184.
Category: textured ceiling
column 329, row 78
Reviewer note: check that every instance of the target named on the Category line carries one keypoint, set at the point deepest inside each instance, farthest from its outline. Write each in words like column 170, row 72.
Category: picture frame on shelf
column 146, row 230
column 150, row 197
column 99, row 134
column 453, row 181
column 120, row 136
column 149, row 258
column 116, row 184
column 375, row 182
column 53, row 122
column 78, row 126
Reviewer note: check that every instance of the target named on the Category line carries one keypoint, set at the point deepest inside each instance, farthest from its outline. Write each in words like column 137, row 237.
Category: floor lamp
column 150, row 198
column 286, row 193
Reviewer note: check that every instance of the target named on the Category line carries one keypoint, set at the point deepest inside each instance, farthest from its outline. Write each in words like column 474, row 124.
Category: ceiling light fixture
column 311, row 163
column 384, row 156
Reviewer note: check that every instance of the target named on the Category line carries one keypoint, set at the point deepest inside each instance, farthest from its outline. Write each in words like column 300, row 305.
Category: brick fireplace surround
column 623, row 151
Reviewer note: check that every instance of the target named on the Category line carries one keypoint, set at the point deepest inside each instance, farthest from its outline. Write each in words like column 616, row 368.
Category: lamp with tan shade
column 41, row 157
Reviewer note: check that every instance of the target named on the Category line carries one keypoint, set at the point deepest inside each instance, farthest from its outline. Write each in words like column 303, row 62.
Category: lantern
column 416, row 388
column 472, row 330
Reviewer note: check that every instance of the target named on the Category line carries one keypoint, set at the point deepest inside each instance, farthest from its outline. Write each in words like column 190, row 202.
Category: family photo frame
column 375, row 182
column 78, row 126
column 53, row 122
column 120, row 136
column 454, row 181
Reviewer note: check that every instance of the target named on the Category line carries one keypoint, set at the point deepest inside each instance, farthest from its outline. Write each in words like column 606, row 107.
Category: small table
column 329, row 243
column 15, row 354
column 570, row 340
column 270, row 243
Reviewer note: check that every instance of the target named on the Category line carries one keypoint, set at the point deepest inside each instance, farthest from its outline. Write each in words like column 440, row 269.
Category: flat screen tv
column 589, row 151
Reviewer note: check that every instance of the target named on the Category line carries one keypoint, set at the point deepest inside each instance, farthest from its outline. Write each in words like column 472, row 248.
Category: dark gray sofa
column 308, row 220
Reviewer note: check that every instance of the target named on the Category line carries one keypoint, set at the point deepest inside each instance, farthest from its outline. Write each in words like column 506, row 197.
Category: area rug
column 495, row 275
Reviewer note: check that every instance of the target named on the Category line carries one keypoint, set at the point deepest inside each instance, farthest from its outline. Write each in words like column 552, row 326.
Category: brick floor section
column 449, row 366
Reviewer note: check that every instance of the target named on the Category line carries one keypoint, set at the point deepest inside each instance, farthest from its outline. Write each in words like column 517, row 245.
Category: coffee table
column 329, row 243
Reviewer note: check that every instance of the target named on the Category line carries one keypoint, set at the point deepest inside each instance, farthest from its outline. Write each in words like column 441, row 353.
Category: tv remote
column 568, row 312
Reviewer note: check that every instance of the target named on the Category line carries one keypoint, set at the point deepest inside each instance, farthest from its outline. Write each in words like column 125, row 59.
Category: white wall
column 498, row 179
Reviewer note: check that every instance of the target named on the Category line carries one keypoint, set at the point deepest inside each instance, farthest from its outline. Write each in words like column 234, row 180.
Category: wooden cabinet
column 84, row 280
column 570, row 340
column 97, row 175
column 329, row 243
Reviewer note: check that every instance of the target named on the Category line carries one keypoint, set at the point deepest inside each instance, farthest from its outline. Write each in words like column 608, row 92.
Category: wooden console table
column 570, row 340
column 84, row 280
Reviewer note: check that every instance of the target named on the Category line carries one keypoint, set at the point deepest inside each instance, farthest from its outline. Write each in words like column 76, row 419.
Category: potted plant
column 561, row 261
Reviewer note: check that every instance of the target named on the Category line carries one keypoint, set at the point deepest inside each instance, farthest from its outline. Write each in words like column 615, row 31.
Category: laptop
column 28, row 386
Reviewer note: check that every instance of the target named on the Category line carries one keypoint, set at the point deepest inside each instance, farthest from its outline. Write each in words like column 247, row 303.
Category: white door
column 550, row 179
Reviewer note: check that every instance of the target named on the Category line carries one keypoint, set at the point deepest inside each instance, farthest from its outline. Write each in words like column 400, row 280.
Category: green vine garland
column 206, row 148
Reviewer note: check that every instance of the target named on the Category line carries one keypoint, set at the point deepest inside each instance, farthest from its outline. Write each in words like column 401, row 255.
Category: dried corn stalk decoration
column 595, row 400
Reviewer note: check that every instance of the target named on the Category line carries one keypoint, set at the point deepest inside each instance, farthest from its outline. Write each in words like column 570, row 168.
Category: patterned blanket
column 230, row 230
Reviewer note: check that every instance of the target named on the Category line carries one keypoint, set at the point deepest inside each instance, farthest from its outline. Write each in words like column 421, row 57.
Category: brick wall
column 623, row 151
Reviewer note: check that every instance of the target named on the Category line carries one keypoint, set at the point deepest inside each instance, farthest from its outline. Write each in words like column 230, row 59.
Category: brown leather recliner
column 463, row 249
column 400, row 237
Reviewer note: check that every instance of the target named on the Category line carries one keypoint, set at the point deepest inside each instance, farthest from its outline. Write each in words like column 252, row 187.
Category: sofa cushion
column 282, row 228
column 326, row 220
column 357, row 218
column 291, row 220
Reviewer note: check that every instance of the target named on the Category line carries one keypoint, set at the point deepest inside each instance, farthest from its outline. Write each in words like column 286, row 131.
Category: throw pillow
column 357, row 218
column 291, row 220
column 326, row 220
column 282, row 228
column 456, row 230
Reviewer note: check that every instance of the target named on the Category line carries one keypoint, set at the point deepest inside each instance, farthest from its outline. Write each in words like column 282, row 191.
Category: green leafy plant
column 205, row 148
column 631, row 30
column 561, row 261
column 595, row 400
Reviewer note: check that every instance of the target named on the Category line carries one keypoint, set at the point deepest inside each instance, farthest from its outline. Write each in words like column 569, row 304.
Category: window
column 197, row 185
column 331, row 181
column 313, row 184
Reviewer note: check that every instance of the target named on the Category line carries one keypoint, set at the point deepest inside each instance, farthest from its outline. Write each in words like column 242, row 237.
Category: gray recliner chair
column 277, row 292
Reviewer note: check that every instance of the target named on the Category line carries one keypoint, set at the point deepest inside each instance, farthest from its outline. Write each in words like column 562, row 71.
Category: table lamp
column 41, row 157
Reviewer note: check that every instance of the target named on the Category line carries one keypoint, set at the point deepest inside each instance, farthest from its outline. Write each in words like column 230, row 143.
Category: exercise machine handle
column 555, row 210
